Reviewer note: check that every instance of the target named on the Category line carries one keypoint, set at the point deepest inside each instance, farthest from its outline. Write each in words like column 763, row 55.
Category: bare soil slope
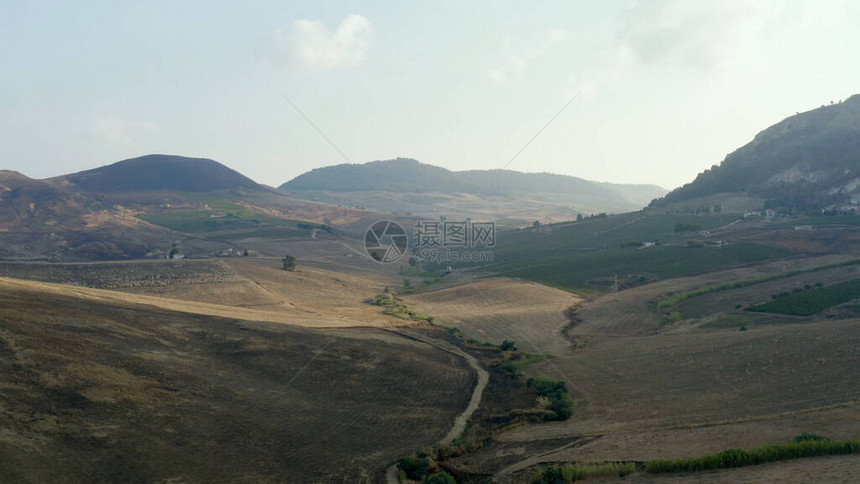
column 103, row 390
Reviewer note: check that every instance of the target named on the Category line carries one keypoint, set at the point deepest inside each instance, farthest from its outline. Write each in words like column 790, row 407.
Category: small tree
column 289, row 263
column 440, row 478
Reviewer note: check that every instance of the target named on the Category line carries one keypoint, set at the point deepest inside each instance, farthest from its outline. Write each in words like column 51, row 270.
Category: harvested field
column 493, row 310
column 256, row 289
column 107, row 390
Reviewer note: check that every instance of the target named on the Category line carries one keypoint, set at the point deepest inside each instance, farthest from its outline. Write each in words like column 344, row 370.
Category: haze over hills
column 405, row 184
column 808, row 161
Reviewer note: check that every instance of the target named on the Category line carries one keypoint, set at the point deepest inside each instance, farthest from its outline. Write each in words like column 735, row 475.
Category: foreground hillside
column 121, row 392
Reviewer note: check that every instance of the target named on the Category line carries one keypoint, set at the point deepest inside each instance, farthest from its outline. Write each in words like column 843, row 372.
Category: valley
column 211, row 329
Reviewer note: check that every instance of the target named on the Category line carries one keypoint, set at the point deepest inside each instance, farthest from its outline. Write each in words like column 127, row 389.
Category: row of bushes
column 805, row 445
column 674, row 299
column 567, row 473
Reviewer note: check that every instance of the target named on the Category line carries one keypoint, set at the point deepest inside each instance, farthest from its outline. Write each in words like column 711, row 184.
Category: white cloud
column 310, row 44
column 115, row 130
column 685, row 33
column 517, row 58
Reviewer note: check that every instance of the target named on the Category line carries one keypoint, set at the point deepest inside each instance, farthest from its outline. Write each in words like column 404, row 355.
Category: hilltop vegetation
column 380, row 182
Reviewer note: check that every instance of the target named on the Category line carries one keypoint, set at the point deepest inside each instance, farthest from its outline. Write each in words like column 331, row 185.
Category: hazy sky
column 666, row 88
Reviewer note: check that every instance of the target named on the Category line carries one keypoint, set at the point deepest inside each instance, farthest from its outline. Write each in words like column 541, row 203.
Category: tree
column 289, row 263
column 414, row 467
column 536, row 224
column 440, row 478
column 579, row 217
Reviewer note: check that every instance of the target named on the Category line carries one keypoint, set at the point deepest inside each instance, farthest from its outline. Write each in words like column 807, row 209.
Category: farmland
column 812, row 301
column 638, row 247
column 97, row 391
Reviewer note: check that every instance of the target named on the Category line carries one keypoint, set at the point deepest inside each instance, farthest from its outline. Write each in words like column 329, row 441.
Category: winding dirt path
column 478, row 392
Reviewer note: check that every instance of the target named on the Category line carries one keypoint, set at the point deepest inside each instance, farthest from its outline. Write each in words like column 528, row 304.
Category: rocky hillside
column 808, row 161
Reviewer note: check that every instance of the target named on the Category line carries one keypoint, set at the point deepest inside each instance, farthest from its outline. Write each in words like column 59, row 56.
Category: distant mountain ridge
column 137, row 207
column 159, row 172
column 408, row 176
column 807, row 161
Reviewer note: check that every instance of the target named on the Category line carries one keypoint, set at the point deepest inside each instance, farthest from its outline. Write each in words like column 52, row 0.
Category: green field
column 585, row 255
column 578, row 270
column 810, row 302
column 217, row 213
column 673, row 300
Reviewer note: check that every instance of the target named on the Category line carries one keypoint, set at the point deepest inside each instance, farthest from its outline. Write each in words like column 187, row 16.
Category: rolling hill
column 141, row 207
column 807, row 162
column 158, row 172
column 408, row 185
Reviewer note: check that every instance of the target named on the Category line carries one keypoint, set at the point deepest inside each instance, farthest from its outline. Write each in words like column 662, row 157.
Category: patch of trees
column 557, row 397
column 421, row 467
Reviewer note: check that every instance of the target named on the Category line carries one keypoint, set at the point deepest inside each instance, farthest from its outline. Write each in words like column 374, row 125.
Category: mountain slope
column 402, row 182
column 141, row 207
column 807, row 161
column 158, row 172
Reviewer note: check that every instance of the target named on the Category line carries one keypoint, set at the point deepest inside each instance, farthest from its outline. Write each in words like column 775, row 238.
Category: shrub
column 807, row 437
column 508, row 345
column 567, row 473
column 413, row 466
column 560, row 405
column 440, row 478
